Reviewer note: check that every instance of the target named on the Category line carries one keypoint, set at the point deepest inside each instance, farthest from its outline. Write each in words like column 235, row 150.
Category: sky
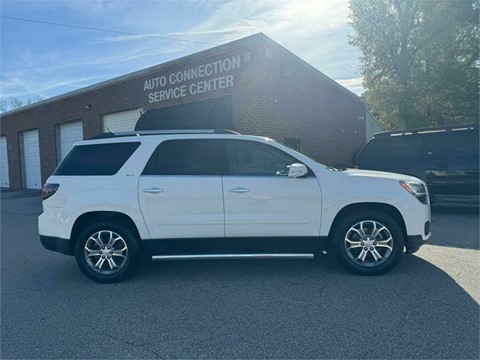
column 47, row 60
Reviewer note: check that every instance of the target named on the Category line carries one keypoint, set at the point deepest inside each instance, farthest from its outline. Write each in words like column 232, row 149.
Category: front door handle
column 154, row 190
column 439, row 173
column 239, row 190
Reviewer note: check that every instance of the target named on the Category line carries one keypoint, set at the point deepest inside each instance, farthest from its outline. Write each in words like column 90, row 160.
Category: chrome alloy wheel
column 106, row 252
column 368, row 243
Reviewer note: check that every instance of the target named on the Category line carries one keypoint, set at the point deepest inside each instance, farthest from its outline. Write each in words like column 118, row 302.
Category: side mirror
column 297, row 170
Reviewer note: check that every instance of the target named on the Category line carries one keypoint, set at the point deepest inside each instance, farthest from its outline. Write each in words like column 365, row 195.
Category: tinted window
column 293, row 143
column 248, row 158
column 187, row 157
column 102, row 159
column 402, row 147
column 459, row 144
column 458, row 150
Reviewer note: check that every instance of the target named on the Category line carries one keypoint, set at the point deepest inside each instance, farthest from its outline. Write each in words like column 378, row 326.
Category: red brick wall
column 300, row 103
column 275, row 96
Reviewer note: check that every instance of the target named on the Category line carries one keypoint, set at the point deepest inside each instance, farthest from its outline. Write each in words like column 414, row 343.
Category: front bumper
column 414, row 242
column 63, row 246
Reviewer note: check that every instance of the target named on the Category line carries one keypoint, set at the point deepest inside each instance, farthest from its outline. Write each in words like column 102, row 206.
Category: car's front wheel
column 369, row 243
column 107, row 252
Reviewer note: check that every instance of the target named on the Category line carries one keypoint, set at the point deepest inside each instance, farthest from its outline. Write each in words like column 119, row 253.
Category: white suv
column 218, row 194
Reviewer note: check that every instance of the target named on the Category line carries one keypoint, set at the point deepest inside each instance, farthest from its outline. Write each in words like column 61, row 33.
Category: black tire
column 128, row 259
column 348, row 258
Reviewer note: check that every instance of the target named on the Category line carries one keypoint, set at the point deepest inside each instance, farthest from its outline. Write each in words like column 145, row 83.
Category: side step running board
column 230, row 256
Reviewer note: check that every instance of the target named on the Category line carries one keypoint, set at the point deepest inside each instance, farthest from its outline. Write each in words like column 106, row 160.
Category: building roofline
column 313, row 69
column 252, row 39
column 184, row 59
column 375, row 119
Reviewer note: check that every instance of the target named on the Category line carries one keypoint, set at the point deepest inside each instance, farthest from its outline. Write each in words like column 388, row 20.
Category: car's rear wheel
column 369, row 243
column 107, row 252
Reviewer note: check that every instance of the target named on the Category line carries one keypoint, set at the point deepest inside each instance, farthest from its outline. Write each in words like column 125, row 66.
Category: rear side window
column 101, row 159
column 461, row 144
column 403, row 147
column 188, row 157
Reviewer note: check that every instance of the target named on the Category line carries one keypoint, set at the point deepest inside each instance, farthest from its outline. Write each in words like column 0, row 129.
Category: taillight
column 48, row 190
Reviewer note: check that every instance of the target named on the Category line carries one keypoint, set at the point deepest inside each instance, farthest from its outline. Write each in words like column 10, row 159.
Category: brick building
column 260, row 87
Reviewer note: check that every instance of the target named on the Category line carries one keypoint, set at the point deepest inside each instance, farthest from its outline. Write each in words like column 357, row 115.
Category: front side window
column 249, row 158
column 293, row 143
column 101, row 159
column 188, row 157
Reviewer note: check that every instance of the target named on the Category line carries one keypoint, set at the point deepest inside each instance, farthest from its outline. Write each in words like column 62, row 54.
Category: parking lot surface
column 427, row 307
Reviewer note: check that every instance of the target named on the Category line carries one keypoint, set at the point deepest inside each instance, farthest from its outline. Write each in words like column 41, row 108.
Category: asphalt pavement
column 427, row 307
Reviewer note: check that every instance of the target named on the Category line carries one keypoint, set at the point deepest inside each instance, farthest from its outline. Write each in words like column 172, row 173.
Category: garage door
column 68, row 134
column 31, row 160
column 4, row 179
column 121, row 121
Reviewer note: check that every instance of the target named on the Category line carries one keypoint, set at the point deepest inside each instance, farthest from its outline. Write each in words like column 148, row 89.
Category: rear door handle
column 153, row 190
column 238, row 190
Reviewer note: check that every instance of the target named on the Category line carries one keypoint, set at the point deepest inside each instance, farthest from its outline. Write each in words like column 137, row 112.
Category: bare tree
column 12, row 103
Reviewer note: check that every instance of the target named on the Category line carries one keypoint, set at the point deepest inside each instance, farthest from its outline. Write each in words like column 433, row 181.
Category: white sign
column 172, row 86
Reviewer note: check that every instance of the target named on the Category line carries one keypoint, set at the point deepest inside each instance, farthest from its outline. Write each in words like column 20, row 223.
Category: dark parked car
column 446, row 158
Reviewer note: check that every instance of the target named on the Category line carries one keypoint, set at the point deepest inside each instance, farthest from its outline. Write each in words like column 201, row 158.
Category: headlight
column 416, row 189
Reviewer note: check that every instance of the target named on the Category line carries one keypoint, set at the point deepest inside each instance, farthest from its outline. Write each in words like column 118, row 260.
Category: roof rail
column 427, row 130
column 163, row 132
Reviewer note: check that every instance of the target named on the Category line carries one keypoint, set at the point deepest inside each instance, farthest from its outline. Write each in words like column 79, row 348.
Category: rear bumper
column 57, row 244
